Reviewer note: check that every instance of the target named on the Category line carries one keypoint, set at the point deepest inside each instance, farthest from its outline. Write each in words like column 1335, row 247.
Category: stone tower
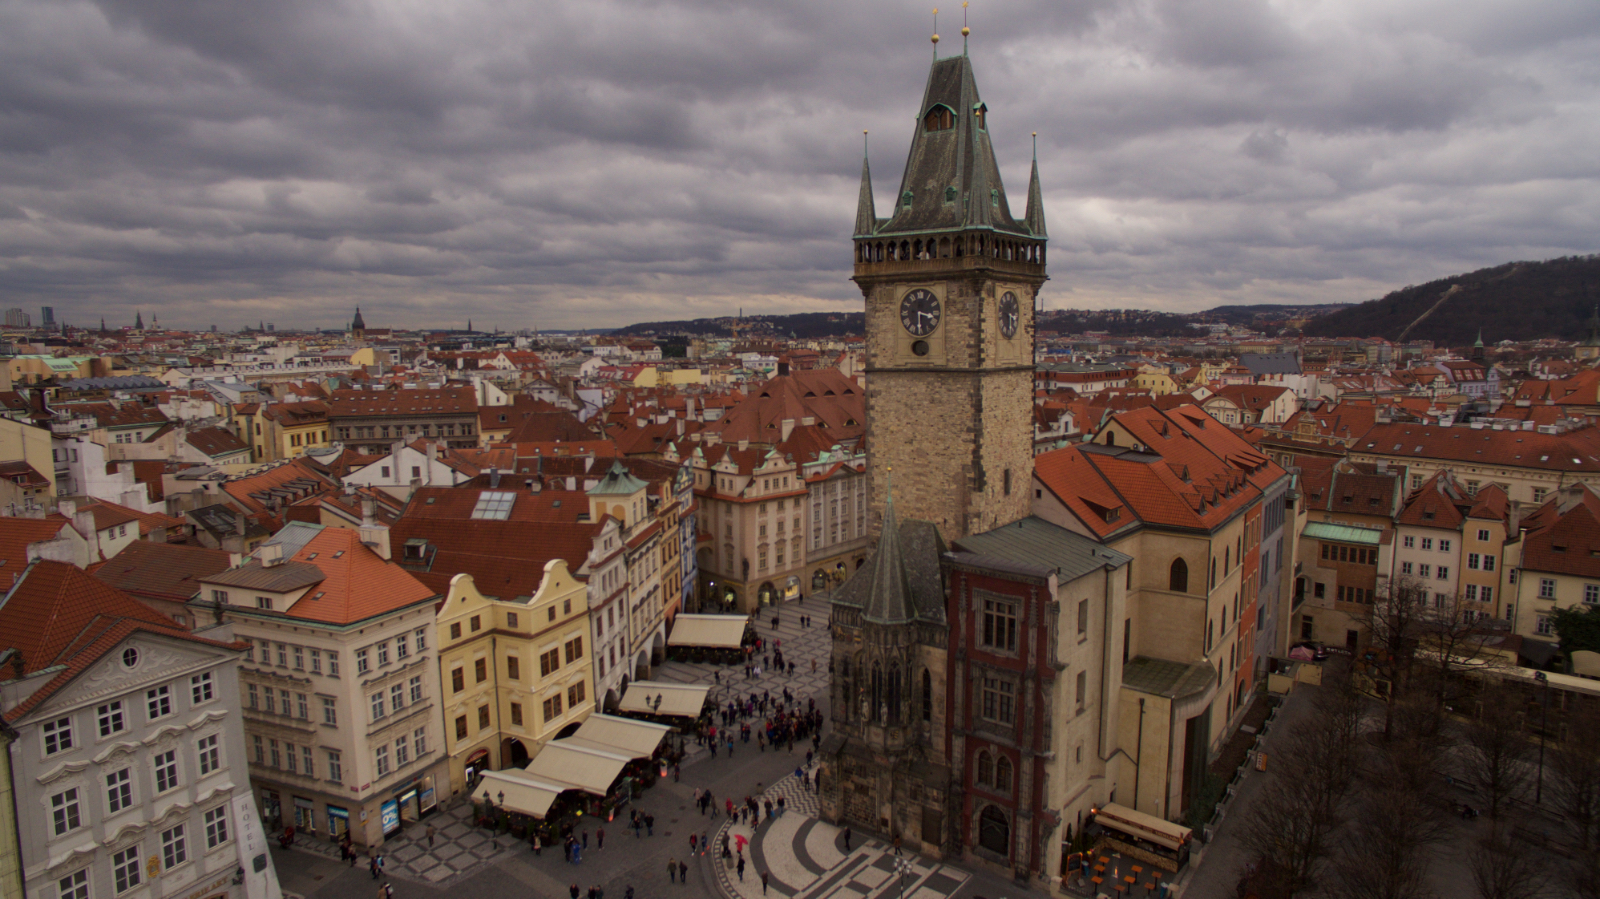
column 950, row 280
column 358, row 326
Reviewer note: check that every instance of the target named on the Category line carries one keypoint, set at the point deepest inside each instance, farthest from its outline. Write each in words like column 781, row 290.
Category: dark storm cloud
column 610, row 161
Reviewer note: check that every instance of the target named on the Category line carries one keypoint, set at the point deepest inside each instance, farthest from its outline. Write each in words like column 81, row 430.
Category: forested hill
column 1515, row 301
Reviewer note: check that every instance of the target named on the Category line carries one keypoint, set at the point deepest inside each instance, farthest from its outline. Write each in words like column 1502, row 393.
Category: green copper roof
column 951, row 180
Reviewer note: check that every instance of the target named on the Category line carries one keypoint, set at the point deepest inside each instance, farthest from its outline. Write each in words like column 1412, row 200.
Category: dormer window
column 981, row 113
column 939, row 118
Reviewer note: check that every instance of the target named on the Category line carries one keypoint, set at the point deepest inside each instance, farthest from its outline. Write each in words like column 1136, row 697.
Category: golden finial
column 964, row 29
column 936, row 32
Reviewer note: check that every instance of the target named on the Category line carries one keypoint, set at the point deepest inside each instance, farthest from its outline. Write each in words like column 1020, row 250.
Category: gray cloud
column 613, row 161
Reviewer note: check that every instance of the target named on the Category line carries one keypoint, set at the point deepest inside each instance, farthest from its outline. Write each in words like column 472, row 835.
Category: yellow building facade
column 515, row 674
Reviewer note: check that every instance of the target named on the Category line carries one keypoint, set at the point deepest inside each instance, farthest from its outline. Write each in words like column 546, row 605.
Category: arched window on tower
column 985, row 768
column 876, row 695
column 895, row 690
column 927, row 695
column 1178, row 576
column 939, row 118
column 994, row 831
column 1002, row 775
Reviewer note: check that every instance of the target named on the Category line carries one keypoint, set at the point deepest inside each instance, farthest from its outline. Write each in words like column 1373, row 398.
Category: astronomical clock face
column 1009, row 315
column 919, row 312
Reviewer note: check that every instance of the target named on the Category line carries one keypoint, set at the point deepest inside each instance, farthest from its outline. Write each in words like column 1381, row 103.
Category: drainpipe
column 1138, row 762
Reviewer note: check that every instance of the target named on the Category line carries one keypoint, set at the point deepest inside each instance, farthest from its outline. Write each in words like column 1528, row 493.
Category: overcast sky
column 602, row 162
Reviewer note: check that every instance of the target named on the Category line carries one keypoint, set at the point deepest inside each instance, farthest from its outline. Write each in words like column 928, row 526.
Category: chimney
column 241, row 523
column 788, row 428
column 368, row 511
column 376, row 537
column 744, row 444
column 271, row 555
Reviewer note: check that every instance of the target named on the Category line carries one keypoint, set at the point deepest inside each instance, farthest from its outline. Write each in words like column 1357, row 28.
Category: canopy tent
column 1142, row 826
column 589, row 761
column 712, row 631
column 522, row 794
column 625, row 738
column 681, row 700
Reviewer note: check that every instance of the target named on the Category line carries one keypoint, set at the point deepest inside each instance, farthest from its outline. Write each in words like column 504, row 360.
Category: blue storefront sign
column 390, row 816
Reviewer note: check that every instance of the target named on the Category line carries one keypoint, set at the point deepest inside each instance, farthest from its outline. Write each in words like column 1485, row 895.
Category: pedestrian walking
column 763, row 883
column 694, row 840
column 375, row 866
column 574, row 891
column 896, row 844
column 847, row 839
column 600, row 839
column 683, row 872
column 740, row 867
column 586, row 839
column 430, row 836
column 675, row 771
column 628, row 893
column 649, row 825
column 698, row 793
column 538, row 845
column 672, row 869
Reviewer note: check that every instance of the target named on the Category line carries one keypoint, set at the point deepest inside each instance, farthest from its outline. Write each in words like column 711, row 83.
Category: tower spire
column 1034, row 218
column 866, row 212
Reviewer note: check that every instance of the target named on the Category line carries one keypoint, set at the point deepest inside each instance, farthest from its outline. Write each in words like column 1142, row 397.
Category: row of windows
column 399, row 696
column 549, row 663
column 378, row 654
column 1547, row 590
column 424, row 429
column 1357, row 554
column 66, row 807
column 114, row 717
column 1427, row 542
column 1423, row 569
column 404, row 749
column 128, row 866
column 292, row 705
column 291, row 656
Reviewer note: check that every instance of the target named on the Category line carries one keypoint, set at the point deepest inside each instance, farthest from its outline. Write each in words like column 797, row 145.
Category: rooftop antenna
column 936, row 34
column 964, row 29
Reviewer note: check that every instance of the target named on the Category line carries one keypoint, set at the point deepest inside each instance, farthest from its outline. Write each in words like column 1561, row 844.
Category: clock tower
column 951, row 280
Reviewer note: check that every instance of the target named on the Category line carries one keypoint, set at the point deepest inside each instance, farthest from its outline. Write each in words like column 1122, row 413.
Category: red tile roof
column 1577, row 450
column 1188, row 471
column 388, row 403
column 168, row 571
column 59, row 615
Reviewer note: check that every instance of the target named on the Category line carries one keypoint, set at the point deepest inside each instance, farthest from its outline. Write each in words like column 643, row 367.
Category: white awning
column 1144, row 826
column 577, row 767
column 624, row 737
column 713, row 631
column 683, row 700
column 523, row 794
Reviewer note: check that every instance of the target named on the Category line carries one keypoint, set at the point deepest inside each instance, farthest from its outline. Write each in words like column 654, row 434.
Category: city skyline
column 545, row 168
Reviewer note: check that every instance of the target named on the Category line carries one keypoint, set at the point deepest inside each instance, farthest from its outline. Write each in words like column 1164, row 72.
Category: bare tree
column 1453, row 638
column 1402, row 818
column 1394, row 622
column 1497, row 751
column 1573, row 778
column 1501, row 869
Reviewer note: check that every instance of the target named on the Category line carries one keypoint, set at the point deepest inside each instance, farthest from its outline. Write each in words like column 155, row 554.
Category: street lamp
column 1544, row 710
column 902, row 867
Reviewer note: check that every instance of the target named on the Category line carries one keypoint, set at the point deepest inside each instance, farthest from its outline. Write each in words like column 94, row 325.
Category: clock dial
column 1009, row 315
column 919, row 312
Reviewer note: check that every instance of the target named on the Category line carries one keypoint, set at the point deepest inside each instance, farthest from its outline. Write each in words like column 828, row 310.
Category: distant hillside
column 1515, row 301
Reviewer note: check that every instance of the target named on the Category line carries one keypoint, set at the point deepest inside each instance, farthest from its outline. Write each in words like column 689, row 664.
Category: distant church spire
column 357, row 326
column 138, row 321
